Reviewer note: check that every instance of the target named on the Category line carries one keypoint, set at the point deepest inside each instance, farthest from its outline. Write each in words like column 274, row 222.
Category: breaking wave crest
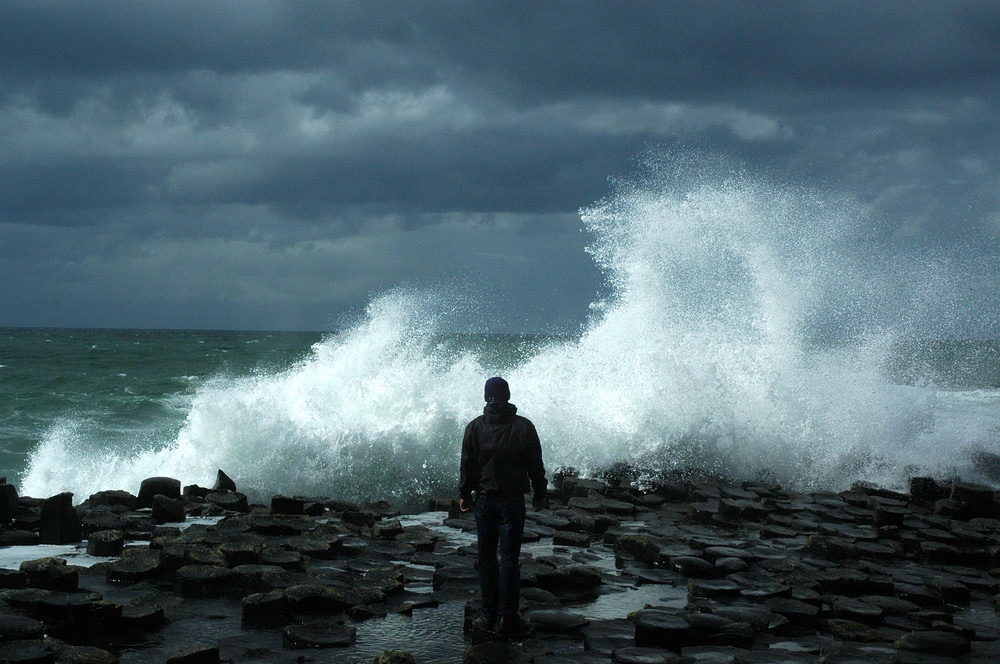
column 746, row 329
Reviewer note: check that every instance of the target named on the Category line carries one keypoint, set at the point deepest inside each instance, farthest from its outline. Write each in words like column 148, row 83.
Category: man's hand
column 464, row 505
column 540, row 501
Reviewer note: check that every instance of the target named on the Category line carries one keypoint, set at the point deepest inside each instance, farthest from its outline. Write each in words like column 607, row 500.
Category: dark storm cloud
column 312, row 136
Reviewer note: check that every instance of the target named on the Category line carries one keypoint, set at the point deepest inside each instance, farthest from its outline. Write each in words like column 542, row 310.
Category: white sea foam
column 706, row 353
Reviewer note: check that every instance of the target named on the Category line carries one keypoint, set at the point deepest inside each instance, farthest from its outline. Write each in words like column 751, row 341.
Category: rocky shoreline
column 689, row 570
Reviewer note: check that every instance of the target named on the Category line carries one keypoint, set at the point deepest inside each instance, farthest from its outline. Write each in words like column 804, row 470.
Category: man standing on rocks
column 501, row 460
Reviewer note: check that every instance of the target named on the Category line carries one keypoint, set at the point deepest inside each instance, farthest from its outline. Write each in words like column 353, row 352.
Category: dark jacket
column 501, row 454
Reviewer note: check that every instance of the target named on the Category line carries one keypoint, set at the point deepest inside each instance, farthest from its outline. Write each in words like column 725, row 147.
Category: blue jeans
column 500, row 524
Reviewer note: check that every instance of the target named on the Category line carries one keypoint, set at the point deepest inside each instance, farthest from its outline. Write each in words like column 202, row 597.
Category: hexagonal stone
column 658, row 628
column 202, row 580
column 134, row 565
column 105, row 543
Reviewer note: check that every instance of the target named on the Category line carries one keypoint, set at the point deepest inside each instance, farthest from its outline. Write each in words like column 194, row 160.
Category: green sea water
column 109, row 399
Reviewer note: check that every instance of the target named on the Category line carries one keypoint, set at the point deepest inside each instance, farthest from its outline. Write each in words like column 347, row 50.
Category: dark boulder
column 926, row 491
column 51, row 574
column 8, row 502
column 168, row 510
column 59, row 522
column 106, row 543
column 152, row 486
column 978, row 498
column 113, row 499
column 287, row 505
column 134, row 565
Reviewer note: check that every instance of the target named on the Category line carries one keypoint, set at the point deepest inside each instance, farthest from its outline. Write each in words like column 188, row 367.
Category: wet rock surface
column 687, row 571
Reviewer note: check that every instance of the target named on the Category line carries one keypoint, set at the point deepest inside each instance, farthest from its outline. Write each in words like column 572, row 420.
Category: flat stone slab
column 319, row 634
column 555, row 620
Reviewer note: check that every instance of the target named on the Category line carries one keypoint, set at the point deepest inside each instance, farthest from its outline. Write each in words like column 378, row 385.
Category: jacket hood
column 499, row 412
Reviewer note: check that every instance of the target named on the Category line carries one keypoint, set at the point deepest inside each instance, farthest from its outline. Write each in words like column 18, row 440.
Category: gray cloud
column 268, row 151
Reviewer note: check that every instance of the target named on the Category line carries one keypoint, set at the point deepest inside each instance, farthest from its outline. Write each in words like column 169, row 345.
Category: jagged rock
column 105, row 543
column 223, row 482
column 320, row 634
column 59, row 522
column 153, row 486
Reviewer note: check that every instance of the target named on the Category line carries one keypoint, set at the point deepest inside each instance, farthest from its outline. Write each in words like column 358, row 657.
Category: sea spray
column 744, row 330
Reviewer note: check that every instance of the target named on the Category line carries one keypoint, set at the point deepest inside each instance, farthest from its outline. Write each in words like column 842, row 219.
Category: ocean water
column 745, row 329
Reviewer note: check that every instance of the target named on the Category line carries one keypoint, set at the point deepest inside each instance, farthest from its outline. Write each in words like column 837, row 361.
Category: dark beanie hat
column 496, row 390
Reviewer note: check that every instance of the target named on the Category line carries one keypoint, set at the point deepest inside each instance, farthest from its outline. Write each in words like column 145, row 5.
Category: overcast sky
column 271, row 165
